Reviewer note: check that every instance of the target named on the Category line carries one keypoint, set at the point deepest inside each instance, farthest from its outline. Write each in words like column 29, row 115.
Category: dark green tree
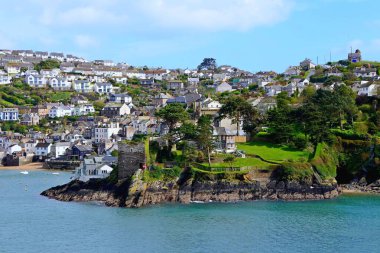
column 207, row 64
column 205, row 137
column 172, row 114
column 235, row 107
column 280, row 120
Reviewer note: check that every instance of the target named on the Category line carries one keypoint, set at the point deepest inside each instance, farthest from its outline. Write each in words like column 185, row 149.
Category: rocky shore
column 138, row 193
column 361, row 187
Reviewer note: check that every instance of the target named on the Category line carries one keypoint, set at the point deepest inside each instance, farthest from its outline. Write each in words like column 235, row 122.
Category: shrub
column 301, row 172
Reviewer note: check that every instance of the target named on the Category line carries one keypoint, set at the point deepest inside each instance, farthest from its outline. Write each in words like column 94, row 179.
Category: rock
column 138, row 193
column 362, row 182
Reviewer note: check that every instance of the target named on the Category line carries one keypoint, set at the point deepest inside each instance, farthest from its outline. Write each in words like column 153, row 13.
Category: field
column 272, row 152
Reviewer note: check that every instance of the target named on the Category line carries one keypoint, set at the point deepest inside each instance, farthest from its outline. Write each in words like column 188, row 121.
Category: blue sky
column 250, row 34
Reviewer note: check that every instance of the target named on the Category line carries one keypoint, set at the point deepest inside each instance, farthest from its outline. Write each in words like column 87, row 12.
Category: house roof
column 222, row 131
column 83, row 148
column 42, row 145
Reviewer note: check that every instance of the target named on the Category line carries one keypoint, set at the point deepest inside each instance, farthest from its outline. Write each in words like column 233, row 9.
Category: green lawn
column 241, row 162
column 272, row 152
column 60, row 96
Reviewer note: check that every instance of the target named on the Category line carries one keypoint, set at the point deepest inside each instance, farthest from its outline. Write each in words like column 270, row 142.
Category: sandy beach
column 30, row 166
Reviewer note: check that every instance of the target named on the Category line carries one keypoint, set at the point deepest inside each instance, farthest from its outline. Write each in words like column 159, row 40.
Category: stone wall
column 131, row 158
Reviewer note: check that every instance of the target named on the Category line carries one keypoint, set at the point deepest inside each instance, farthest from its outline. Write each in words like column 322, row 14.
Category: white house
column 92, row 168
column 50, row 72
column 5, row 79
column 82, row 86
column 43, row 149
column 211, row 104
column 30, row 146
column 120, row 98
column 59, row 148
column 15, row 148
column 103, row 88
column 121, row 79
column 104, row 133
column 57, row 56
column 36, row 81
column 12, row 68
column 40, row 54
column 60, row 111
column 60, row 83
column 83, row 109
column 365, row 72
column 367, row 89
column 223, row 87
column 9, row 114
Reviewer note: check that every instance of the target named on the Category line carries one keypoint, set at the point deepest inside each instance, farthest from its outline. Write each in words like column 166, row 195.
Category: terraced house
column 9, row 114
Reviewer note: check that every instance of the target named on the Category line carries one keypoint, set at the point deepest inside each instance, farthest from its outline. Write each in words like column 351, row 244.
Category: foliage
column 47, row 64
column 205, row 137
column 115, row 153
column 301, row 172
column 173, row 114
column 98, row 105
column 207, row 64
column 237, row 108
column 325, row 161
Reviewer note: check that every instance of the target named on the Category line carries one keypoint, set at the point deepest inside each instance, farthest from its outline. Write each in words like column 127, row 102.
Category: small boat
column 24, row 172
column 55, row 173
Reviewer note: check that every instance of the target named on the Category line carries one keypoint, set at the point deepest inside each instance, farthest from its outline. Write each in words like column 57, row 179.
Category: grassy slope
column 272, row 152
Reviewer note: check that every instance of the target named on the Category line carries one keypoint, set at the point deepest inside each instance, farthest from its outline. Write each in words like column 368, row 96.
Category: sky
column 250, row 34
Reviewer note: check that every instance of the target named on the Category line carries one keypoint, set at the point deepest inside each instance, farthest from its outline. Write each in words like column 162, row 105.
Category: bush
column 299, row 142
column 300, row 172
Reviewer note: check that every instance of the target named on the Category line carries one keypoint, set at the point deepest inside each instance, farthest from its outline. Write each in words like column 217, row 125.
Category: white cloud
column 82, row 12
column 215, row 15
column 211, row 15
column 85, row 41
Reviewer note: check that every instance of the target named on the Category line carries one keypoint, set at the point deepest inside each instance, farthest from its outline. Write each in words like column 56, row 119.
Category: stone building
column 131, row 158
column 355, row 57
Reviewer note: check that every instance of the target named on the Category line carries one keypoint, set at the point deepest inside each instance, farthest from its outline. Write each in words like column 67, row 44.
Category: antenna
column 330, row 57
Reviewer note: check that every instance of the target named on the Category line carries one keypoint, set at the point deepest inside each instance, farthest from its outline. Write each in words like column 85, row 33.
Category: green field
column 272, row 152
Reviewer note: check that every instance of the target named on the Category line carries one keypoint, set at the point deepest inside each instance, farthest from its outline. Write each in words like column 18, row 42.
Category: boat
column 55, row 173
column 24, row 172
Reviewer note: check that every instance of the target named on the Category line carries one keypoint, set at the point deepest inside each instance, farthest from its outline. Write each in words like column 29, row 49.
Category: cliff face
column 139, row 193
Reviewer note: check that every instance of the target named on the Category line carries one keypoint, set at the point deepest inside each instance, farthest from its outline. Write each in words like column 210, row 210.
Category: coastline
column 356, row 189
column 137, row 193
column 30, row 166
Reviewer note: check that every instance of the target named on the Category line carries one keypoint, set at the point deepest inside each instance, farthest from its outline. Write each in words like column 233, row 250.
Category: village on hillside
column 67, row 112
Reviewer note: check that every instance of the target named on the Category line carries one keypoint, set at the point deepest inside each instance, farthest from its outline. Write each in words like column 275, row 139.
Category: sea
column 33, row 223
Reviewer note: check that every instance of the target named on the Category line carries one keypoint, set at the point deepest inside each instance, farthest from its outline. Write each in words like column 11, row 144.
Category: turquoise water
column 32, row 223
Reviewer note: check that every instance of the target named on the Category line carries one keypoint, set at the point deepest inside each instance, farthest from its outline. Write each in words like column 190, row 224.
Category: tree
column 98, row 105
column 280, row 120
column 205, row 136
column 235, row 107
column 207, row 64
column 172, row 114
column 313, row 122
column 47, row 64
column 345, row 103
column 187, row 131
